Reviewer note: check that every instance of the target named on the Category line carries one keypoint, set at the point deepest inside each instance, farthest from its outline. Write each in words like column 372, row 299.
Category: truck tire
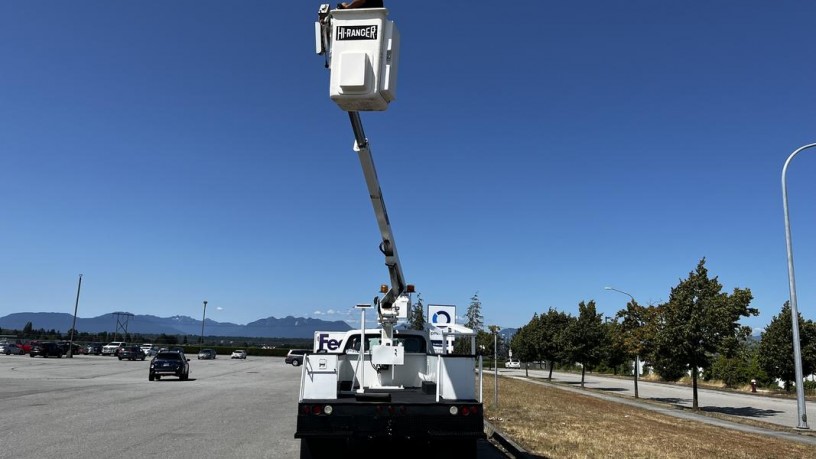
column 150, row 377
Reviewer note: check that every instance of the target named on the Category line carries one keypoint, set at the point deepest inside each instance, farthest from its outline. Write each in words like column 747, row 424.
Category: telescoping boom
column 395, row 304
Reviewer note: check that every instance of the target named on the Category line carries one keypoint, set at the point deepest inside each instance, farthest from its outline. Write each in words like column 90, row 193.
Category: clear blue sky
column 175, row 152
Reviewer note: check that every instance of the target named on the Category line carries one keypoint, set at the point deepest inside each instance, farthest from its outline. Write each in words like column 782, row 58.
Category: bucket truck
column 383, row 387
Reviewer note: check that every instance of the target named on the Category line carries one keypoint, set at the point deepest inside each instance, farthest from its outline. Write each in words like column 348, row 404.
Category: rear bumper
column 167, row 371
column 389, row 421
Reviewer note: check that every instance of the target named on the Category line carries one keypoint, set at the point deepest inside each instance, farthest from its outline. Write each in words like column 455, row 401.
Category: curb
column 512, row 447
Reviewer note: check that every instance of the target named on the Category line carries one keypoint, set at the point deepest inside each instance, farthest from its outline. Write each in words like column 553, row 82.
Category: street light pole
column 495, row 330
column 797, row 352
column 637, row 354
column 201, row 340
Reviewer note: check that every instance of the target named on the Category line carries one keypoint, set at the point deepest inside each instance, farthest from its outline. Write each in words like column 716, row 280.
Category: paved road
column 745, row 405
column 93, row 406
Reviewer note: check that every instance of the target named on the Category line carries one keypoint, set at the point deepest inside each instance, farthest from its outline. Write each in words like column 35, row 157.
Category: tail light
column 316, row 410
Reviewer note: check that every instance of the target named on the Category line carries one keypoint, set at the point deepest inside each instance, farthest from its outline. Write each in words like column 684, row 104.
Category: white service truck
column 384, row 387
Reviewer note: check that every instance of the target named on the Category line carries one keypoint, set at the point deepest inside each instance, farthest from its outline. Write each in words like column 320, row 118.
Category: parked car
column 46, row 349
column 94, row 348
column 512, row 363
column 169, row 363
column 295, row 356
column 206, row 354
column 149, row 349
column 172, row 348
column 239, row 354
column 131, row 353
column 112, row 348
column 25, row 345
column 65, row 345
column 10, row 349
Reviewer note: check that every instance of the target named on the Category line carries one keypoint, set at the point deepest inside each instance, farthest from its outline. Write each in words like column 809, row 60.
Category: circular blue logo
column 441, row 314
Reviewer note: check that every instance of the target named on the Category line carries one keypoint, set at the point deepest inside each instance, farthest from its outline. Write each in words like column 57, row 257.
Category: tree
column 28, row 329
column 635, row 333
column 166, row 339
column 775, row 353
column 697, row 319
column 614, row 353
column 736, row 364
column 548, row 335
column 523, row 343
column 417, row 315
column 484, row 342
column 475, row 320
column 584, row 338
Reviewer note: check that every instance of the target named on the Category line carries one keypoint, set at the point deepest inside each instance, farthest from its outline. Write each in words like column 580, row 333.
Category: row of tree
column 697, row 328
column 40, row 334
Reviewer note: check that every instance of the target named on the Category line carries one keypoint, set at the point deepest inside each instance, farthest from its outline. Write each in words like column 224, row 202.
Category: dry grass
column 554, row 423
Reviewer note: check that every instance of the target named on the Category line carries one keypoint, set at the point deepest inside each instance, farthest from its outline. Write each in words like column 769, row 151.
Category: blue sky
column 175, row 152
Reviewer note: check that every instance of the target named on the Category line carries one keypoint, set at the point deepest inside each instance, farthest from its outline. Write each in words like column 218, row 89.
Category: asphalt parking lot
column 94, row 406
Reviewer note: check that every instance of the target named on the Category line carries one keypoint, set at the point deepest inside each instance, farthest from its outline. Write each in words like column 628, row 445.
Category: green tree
column 735, row 365
column 584, row 338
column 697, row 319
column 166, row 339
column 474, row 317
column 28, row 329
column 417, row 321
column 524, row 343
column 484, row 343
column 636, row 333
column 475, row 321
column 548, row 335
column 614, row 353
column 775, row 353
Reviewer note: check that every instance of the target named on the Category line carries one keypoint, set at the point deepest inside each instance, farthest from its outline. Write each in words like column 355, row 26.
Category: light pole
column 495, row 330
column 637, row 354
column 797, row 352
column 201, row 340
column 73, row 324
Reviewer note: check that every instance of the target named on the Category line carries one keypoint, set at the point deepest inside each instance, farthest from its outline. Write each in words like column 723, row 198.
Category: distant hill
column 287, row 327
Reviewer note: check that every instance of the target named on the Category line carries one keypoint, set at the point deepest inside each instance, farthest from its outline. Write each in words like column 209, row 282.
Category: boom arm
column 393, row 299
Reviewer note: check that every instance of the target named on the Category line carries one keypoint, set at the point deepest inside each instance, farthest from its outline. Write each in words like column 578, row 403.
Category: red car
column 25, row 346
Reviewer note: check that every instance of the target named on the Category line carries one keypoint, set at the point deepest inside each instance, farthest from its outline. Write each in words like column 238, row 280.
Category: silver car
column 10, row 349
column 149, row 349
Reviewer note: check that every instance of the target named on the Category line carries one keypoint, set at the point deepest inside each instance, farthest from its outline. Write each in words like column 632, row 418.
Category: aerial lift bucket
column 363, row 53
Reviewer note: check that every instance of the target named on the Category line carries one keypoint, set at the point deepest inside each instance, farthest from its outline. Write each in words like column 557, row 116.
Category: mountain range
column 287, row 327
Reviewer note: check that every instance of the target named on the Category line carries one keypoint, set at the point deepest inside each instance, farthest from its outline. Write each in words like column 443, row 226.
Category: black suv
column 169, row 363
column 295, row 356
column 47, row 349
column 131, row 353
